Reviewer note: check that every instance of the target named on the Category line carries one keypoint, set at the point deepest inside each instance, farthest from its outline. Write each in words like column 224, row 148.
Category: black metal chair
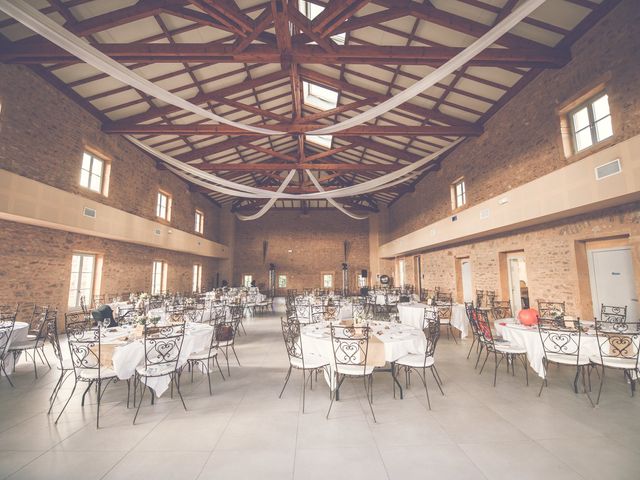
column 552, row 312
column 501, row 309
column 297, row 358
column 226, row 331
column 613, row 314
column 473, row 323
column 85, row 348
column 350, row 347
column 479, row 298
column 422, row 362
column 619, row 346
column 34, row 344
column 500, row 348
column 204, row 357
column 65, row 366
column 162, row 346
column 444, row 315
column 7, row 322
column 562, row 347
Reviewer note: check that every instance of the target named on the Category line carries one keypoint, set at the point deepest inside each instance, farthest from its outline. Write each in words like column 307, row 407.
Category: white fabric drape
column 440, row 73
column 238, row 189
column 44, row 26
column 333, row 202
column 265, row 208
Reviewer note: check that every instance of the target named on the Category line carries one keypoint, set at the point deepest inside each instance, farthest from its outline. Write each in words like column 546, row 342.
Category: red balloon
column 528, row 317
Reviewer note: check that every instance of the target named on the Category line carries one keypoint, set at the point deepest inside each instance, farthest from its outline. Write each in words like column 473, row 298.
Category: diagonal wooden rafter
column 334, row 14
column 292, row 129
column 228, row 14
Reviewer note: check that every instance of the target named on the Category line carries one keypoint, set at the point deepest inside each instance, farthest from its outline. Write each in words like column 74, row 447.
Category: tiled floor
column 244, row 431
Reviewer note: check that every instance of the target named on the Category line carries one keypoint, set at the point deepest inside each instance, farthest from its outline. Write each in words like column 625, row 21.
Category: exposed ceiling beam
column 45, row 52
column 294, row 128
column 271, row 167
column 203, row 98
column 227, row 13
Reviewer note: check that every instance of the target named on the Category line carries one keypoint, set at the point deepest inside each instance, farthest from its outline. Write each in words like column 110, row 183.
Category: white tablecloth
column 413, row 314
column 19, row 334
column 529, row 338
column 398, row 340
column 459, row 319
column 129, row 355
column 303, row 312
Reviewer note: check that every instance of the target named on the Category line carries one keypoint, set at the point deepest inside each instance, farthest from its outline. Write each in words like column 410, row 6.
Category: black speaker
column 363, row 274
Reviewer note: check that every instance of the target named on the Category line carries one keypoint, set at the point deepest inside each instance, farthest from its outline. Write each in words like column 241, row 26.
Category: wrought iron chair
column 490, row 297
column 65, row 366
column 226, row 331
column 85, row 348
column 479, row 298
column 552, row 312
column 473, row 323
column 500, row 348
column 350, row 347
column 303, row 312
column 162, row 346
column 194, row 313
column 35, row 338
column 444, row 315
column 562, row 347
column 422, row 362
column 297, row 358
column 619, row 346
column 204, row 357
column 7, row 322
column 501, row 309
column 613, row 314
column 317, row 313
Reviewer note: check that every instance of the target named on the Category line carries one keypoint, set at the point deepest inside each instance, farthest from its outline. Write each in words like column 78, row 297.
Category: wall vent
column 454, row 218
column 89, row 212
column 156, row 232
column 608, row 169
column 484, row 214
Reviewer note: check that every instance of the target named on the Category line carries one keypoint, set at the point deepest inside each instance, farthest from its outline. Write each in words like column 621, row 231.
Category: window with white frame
column 197, row 278
column 163, row 207
column 591, row 122
column 312, row 10
column 458, row 194
column 327, row 280
column 282, row 281
column 92, row 173
column 320, row 97
column 322, row 140
column 83, row 271
column 199, row 225
column 246, row 280
column 159, row 277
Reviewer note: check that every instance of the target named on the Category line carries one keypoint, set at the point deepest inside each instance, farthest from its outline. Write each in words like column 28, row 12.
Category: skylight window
column 319, row 97
column 311, row 11
column 322, row 140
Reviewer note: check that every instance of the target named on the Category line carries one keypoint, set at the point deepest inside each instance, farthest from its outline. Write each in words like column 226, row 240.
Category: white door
column 612, row 280
column 465, row 269
column 517, row 281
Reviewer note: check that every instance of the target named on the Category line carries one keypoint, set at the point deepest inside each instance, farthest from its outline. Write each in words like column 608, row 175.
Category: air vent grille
column 608, row 169
column 156, row 232
column 89, row 212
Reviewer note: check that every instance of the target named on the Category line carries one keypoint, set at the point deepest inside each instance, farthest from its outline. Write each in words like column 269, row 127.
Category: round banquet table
column 303, row 312
column 125, row 355
column 18, row 335
column 413, row 314
column 529, row 338
column 391, row 340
